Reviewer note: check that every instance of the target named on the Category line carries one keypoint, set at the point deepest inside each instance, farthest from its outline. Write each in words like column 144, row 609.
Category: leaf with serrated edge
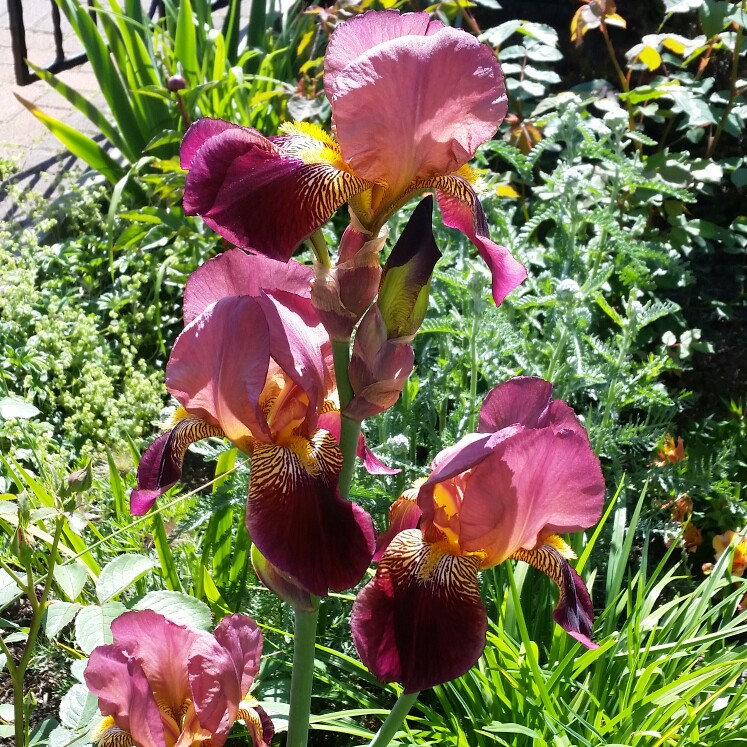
column 121, row 573
column 58, row 615
column 93, row 625
column 71, row 578
column 177, row 607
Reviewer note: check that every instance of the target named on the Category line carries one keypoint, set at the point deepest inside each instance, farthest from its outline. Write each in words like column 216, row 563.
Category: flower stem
column 394, row 720
column 349, row 429
column 304, row 642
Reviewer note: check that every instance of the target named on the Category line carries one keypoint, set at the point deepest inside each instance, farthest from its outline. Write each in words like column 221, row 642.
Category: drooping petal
column 218, row 380
column 161, row 465
column 236, row 273
column 420, row 621
column 412, row 104
column 161, row 647
column 574, row 611
column 461, row 209
column 221, row 670
column 123, row 692
column 534, row 484
column 296, row 516
column 283, row 584
column 267, row 195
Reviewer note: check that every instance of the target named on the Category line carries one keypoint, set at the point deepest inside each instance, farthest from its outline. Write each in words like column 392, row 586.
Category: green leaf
column 78, row 708
column 185, row 43
column 71, row 578
column 93, row 625
column 40, row 735
column 9, row 590
column 58, row 615
column 120, row 574
column 177, row 607
column 12, row 407
column 78, row 144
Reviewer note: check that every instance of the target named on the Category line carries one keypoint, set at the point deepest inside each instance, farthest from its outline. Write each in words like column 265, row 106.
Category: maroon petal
column 161, row 464
column 261, row 194
column 298, row 520
column 235, row 273
column 420, row 621
column 574, row 611
column 123, row 692
column 465, row 213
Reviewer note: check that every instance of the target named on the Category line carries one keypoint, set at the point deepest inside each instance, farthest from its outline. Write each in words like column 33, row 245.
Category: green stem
column 349, row 429
column 302, row 678
column 394, row 720
column 38, row 606
column 319, row 246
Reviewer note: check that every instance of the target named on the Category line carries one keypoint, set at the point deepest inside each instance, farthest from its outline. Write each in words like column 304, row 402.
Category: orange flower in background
column 682, row 508
column 594, row 14
column 721, row 543
column 692, row 537
column 669, row 453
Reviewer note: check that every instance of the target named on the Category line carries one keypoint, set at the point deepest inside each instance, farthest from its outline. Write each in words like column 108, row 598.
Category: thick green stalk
column 394, row 720
column 349, row 429
column 302, row 679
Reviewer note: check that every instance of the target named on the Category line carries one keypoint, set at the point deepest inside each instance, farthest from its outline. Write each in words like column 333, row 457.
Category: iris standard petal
column 534, row 484
column 523, row 400
column 161, row 465
column 420, row 621
column 221, row 670
column 218, row 380
column 461, row 209
column 574, row 612
column 413, row 106
column 404, row 513
column 267, row 195
column 236, row 273
column 123, row 692
column 298, row 520
column 161, row 647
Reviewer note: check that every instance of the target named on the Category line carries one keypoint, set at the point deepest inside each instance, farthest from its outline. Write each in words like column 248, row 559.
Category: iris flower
column 254, row 365
column 160, row 684
column 411, row 100
column 502, row 493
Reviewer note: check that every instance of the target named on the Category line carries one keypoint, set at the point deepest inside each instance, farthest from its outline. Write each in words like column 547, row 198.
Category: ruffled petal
column 461, row 209
column 411, row 105
column 523, row 400
column 221, row 670
column 217, row 379
column 161, row 465
column 235, row 273
column 298, row 520
column 420, row 621
column 574, row 611
column 161, row 647
column 534, row 484
column 123, row 692
column 267, row 195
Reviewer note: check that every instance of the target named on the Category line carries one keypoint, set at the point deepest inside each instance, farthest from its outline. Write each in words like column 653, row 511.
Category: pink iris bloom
column 160, row 684
column 411, row 99
column 502, row 493
column 254, row 365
